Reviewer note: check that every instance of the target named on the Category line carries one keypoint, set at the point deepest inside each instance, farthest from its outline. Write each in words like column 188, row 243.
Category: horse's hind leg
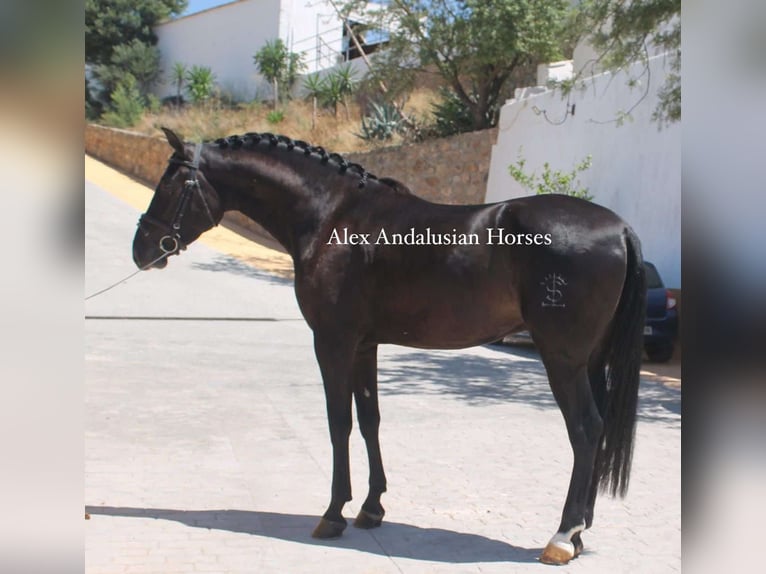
column 365, row 381
column 597, row 378
column 335, row 358
column 572, row 390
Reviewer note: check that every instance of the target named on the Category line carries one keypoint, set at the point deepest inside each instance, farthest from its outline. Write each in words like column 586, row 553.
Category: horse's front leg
column 335, row 356
column 365, row 383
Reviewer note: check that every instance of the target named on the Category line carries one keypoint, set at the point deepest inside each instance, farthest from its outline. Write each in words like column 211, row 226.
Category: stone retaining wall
column 446, row 170
column 142, row 157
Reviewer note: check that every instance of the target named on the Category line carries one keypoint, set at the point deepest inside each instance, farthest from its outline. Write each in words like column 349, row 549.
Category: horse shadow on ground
column 481, row 379
column 225, row 264
column 391, row 539
column 659, row 403
column 475, row 379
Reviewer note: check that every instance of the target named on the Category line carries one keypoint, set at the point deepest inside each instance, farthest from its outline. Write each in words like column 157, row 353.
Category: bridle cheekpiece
column 171, row 242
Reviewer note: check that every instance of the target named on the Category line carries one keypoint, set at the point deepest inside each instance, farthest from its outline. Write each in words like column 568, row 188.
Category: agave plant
column 385, row 121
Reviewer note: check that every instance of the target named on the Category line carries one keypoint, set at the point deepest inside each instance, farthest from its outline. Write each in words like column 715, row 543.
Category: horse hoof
column 367, row 520
column 327, row 530
column 558, row 552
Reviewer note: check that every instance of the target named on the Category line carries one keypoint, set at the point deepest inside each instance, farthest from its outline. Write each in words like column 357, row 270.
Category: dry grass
column 336, row 134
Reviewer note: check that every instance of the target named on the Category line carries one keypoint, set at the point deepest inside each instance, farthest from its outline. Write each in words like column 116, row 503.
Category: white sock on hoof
column 563, row 539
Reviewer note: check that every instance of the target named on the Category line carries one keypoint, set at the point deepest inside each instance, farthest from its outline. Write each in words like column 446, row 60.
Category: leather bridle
column 171, row 242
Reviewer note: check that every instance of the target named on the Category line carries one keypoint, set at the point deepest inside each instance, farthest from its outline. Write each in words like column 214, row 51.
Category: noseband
column 171, row 242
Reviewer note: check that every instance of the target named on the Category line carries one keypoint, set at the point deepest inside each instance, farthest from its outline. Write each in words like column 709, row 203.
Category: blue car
column 660, row 329
column 661, row 326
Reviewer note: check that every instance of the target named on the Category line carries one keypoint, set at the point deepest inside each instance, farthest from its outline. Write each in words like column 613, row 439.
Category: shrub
column 451, row 115
column 127, row 106
column 200, row 82
column 552, row 181
column 153, row 103
column 344, row 82
column 275, row 116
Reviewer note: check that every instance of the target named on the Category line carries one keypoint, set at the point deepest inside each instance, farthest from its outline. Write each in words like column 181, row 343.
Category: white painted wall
column 554, row 72
column 224, row 39
column 636, row 167
column 314, row 30
column 227, row 37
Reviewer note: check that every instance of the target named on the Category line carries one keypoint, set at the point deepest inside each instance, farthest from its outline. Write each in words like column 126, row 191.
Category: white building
column 226, row 38
column 636, row 169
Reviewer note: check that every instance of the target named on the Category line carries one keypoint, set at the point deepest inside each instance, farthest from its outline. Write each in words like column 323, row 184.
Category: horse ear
column 174, row 141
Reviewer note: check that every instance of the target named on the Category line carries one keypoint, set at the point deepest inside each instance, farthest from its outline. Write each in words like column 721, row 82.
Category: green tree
column 279, row 66
column 92, row 105
column 620, row 31
column 119, row 41
column 481, row 48
column 136, row 59
column 112, row 23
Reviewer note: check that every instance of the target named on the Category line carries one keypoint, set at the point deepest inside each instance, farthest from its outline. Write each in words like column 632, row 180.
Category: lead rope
column 144, row 268
column 176, row 225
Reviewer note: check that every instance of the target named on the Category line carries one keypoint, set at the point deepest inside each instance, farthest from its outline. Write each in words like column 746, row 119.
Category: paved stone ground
column 207, row 447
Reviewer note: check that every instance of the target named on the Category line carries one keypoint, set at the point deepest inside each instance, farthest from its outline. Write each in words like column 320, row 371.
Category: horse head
column 184, row 206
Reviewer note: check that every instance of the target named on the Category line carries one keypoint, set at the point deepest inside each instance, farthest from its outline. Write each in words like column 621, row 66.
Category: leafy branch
column 552, row 181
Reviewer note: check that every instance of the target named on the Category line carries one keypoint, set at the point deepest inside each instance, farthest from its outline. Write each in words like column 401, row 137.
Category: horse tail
column 623, row 355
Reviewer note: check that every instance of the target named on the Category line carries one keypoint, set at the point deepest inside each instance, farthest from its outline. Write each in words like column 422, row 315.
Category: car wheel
column 660, row 353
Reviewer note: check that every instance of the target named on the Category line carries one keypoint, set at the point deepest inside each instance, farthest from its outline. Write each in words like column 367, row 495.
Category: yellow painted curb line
column 218, row 238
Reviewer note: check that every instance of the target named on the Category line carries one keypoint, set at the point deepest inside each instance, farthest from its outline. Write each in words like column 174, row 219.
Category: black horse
column 375, row 264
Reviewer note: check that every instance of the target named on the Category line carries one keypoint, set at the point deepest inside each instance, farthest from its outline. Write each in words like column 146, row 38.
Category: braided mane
column 252, row 139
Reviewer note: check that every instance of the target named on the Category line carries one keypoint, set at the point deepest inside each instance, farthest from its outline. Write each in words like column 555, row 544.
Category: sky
column 199, row 5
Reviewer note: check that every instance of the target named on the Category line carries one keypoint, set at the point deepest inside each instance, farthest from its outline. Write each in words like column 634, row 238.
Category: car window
column 653, row 280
